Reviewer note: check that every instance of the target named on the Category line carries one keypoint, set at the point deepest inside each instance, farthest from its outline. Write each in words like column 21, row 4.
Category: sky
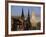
column 17, row 10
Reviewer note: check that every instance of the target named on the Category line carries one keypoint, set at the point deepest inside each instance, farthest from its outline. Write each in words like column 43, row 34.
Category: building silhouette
column 22, row 15
column 28, row 24
column 28, row 18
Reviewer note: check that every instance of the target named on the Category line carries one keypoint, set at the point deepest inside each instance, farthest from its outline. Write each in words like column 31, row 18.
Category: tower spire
column 28, row 13
column 28, row 16
column 22, row 16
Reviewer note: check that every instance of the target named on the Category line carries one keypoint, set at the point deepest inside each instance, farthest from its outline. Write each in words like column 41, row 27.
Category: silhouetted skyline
column 17, row 10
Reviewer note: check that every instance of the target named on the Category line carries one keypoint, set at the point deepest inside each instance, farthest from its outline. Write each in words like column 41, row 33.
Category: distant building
column 28, row 21
column 34, row 22
column 33, row 19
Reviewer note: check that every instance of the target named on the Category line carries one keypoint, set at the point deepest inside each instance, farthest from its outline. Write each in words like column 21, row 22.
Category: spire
column 22, row 13
column 28, row 16
column 22, row 16
column 28, row 13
